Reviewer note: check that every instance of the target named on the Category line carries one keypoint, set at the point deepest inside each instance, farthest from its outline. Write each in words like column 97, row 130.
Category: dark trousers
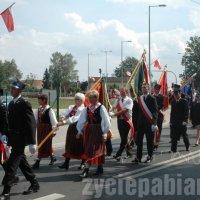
column 123, row 132
column 176, row 132
column 109, row 147
column 150, row 141
column 17, row 160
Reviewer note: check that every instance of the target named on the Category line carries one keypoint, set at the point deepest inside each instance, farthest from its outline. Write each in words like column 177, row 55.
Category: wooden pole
column 9, row 7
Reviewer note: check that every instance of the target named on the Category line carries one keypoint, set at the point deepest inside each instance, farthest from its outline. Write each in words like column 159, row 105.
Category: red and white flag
column 156, row 64
column 8, row 19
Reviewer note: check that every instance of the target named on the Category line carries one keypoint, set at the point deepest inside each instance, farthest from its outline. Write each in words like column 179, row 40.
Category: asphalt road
column 167, row 177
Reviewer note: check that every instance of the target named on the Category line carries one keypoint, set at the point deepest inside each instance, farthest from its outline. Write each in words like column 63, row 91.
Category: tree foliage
column 8, row 72
column 46, row 80
column 191, row 59
column 62, row 73
column 128, row 65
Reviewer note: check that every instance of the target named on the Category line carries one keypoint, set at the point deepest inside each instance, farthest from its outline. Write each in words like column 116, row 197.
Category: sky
column 92, row 26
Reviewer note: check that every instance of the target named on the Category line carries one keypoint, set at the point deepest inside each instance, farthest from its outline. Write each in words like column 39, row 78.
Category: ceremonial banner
column 101, row 88
column 156, row 64
column 8, row 19
column 138, row 77
column 164, row 88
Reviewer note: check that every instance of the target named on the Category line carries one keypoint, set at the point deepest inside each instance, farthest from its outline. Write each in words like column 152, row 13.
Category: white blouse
column 105, row 120
column 75, row 118
column 52, row 116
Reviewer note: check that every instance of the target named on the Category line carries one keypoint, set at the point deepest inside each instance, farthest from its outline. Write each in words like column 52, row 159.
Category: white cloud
column 32, row 49
column 79, row 23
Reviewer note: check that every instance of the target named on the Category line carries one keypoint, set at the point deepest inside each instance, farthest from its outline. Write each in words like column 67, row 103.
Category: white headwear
column 80, row 96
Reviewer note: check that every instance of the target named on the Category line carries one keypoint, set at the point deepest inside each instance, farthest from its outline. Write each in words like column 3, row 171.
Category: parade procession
column 75, row 132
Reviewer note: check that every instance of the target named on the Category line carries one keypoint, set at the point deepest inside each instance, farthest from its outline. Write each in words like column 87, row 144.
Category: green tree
column 46, row 80
column 8, row 72
column 128, row 65
column 62, row 70
column 191, row 59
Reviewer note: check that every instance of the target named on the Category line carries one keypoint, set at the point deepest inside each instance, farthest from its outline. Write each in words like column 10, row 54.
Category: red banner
column 8, row 19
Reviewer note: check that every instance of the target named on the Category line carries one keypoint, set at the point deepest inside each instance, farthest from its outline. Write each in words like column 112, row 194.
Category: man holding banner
column 124, row 122
column 147, row 123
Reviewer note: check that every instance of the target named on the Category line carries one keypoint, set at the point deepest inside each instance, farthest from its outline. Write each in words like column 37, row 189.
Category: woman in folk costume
column 93, row 125
column 46, row 122
column 73, row 147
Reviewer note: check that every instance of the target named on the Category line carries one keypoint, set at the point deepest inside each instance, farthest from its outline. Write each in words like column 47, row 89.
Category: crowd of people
column 89, row 134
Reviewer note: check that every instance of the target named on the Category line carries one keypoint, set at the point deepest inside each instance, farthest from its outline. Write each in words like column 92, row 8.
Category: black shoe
column 53, row 160
column 33, row 188
column 5, row 196
column 36, row 165
column 99, row 171
column 155, row 147
column 136, row 161
column 188, row 149
column 148, row 159
column 85, row 173
column 65, row 165
column 117, row 157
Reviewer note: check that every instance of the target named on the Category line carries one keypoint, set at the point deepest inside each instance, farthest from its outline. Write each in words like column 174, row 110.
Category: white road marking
column 160, row 168
column 51, row 197
column 156, row 165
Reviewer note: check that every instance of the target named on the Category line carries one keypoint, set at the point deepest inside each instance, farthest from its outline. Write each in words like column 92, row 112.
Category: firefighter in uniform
column 21, row 132
column 178, row 119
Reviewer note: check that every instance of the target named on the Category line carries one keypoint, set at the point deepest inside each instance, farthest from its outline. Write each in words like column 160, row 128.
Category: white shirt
column 127, row 103
column 73, row 119
column 52, row 116
column 16, row 98
column 105, row 120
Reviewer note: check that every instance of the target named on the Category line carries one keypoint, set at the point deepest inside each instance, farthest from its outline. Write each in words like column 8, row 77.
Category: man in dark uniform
column 178, row 119
column 160, row 102
column 146, row 123
column 22, row 130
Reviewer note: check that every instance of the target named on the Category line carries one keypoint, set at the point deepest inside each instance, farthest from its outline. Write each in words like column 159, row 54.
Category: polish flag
column 8, row 19
column 156, row 64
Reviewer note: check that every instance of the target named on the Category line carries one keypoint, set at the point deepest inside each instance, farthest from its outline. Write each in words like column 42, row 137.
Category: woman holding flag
column 73, row 147
column 94, row 125
column 46, row 122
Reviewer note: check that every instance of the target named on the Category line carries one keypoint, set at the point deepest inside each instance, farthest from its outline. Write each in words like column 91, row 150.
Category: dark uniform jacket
column 3, row 119
column 142, row 121
column 21, row 123
column 179, row 111
column 160, row 101
column 195, row 113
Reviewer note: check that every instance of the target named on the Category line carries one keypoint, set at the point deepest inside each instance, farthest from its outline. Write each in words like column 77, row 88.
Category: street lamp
column 106, row 53
column 89, row 54
column 153, row 6
column 122, row 68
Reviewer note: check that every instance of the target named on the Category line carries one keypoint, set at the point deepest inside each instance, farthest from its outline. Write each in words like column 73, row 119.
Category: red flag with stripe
column 8, row 19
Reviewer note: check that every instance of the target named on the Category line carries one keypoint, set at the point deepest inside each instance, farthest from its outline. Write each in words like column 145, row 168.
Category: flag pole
column 8, row 7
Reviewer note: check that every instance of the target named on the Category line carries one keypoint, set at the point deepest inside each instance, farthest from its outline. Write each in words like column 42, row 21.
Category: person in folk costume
column 73, row 147
column 160, row 102
column 195, row 112
column 146, row 124
column 124, row 121
column 178, row 119
column 46, row 122
column 94, row 125
column 21, row 132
